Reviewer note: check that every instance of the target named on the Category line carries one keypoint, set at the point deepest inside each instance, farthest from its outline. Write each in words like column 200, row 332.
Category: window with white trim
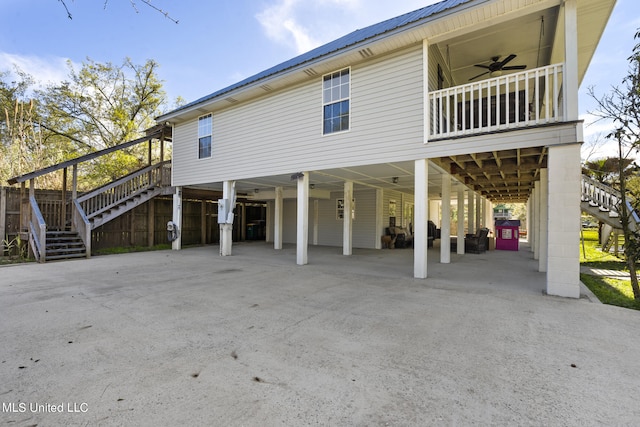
column 336, row 91
column 204, row 136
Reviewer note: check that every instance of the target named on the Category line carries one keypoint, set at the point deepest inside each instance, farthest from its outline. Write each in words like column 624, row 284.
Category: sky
column 218, row 43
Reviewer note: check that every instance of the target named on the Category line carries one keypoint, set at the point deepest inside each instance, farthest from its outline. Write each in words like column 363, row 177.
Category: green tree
column 622, row 107
column 24, row 145
column 101, row 106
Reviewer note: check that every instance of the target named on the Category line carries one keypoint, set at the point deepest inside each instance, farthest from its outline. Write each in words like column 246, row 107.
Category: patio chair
column 477, row 243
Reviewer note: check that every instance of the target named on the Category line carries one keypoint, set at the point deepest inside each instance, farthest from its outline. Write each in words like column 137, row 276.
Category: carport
column 383, row 194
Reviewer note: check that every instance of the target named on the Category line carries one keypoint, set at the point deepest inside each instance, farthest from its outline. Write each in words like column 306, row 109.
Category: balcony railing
column 517, row 100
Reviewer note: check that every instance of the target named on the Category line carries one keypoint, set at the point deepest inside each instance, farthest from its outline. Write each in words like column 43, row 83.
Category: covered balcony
column 523, row 99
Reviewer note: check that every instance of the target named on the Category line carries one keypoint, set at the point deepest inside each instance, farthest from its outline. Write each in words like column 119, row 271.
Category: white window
column 335, row 101
column 204, row 136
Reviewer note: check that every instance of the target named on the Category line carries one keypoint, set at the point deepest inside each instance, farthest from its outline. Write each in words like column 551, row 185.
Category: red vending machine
column 507, row 234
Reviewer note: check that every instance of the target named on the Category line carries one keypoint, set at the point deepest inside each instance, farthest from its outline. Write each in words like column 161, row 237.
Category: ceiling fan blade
column 482, row 66
column 479, row 75
column 515, row 67
column 507, row 60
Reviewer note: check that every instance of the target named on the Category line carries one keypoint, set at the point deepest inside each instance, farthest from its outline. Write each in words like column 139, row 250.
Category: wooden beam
column 81, row 159
column 203, row 221
column 3, row 218
column 63, row 226
column 496, row 170
column 151, row 222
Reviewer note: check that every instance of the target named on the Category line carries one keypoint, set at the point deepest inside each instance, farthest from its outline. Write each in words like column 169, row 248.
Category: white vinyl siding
column 280, row 133
column 330, row 229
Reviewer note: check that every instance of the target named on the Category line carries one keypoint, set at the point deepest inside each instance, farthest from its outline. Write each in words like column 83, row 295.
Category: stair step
column 66, row 251
column 64, row 239
column 72, row 245
column 65, row 256
column 63, row 244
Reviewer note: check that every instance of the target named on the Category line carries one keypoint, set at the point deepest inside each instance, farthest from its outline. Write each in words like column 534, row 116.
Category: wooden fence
column 143, row 226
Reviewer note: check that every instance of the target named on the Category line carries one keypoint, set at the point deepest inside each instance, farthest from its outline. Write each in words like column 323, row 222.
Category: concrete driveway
column 190, row 338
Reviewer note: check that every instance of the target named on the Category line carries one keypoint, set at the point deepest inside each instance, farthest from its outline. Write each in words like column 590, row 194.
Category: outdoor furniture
column 477, row 243
column 402, row 237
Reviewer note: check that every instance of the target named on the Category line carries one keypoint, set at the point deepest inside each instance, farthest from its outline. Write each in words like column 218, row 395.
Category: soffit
column 501, row 176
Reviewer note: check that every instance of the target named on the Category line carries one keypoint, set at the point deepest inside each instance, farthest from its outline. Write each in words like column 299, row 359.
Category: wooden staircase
column 614, row 242
column 103, row 216
column 93, row 209
column 603, row 203
column 64, row 245
column 96, row 208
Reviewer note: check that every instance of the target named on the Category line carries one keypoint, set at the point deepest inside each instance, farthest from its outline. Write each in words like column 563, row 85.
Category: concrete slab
column 191, row 338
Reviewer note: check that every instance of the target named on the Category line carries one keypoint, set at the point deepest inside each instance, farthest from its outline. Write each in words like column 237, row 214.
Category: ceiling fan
column 496, row 67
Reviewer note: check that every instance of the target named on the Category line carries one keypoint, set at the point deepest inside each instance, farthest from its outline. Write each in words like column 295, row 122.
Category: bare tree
column 134, row 5
column 622, row 106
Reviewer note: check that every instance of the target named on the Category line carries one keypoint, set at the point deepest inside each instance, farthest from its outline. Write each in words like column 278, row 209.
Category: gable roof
column 348, row 40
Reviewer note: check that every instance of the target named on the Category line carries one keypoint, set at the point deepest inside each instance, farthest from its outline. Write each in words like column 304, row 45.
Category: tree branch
column 133, row 4
column 66, row 8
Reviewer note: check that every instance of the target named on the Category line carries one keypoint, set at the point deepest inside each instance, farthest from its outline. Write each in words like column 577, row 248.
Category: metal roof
column 351, row 39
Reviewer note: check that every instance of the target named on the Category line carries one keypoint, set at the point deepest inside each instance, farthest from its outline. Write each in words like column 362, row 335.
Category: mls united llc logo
column 35, row 408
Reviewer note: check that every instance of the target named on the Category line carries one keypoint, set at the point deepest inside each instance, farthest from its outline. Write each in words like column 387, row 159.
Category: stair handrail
column 607, row 197
column 37, row 231
column 82, row 226
column 119, row 181
column 604, row 195
column 110, row 195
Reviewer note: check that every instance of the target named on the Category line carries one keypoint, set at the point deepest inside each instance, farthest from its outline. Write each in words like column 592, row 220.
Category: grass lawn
column 609, row 291
column 128, row 249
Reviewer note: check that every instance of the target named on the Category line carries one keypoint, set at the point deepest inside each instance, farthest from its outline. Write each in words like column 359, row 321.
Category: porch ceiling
column 501, row 176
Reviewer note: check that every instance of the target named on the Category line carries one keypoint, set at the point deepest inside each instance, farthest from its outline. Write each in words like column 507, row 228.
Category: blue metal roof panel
column 336, row 45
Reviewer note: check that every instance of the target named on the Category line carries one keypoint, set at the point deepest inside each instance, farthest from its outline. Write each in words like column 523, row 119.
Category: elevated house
column 463, row 102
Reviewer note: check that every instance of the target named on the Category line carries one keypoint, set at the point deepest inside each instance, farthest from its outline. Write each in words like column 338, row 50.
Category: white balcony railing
column 517, row 100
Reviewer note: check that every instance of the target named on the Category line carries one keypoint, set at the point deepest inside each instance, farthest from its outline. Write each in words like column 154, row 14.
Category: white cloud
column 44, row 70
column 304, row 25
column 282, row 25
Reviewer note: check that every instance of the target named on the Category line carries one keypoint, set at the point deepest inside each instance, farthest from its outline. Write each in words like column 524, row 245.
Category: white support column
column 347, row 224
column 536, row 214
column 269, row 222
column 563, row 267
column 176, row 245
column 544, row 216
column 421, row 199
column 379, row 218
column 528, row 220
column 226, row 229
column 531, row 231
column 277, row 220
column 488, row 215
column 460, row 234
column 316, row 222
column 478, row 211
column 302, row 235
column 471, row 211
column 445, row 230
column 570, row 78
